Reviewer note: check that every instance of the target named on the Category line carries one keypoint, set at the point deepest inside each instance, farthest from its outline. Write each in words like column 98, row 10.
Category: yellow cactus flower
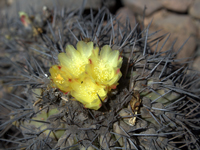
column 75, row 60
column 85, row 91
column 87, row 75
column 105, row 68
column 61, row 78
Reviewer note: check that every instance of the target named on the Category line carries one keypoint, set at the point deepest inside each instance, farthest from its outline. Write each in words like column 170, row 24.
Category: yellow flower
column 75, row 60
column 105, row 68
column 87, row 75
column 86, row 92
column 61, row 78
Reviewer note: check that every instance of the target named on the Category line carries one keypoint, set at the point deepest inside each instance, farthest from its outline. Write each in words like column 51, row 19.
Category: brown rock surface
column 197, row 23
column 137, row 6
column 124, row 13
column 177, row 5
column 187, row 50
column 195, row 9
column 181, row 27
column 173, row 23
column 196, row 64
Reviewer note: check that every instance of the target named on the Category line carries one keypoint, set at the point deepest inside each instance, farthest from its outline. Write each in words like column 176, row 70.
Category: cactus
column 154, row 106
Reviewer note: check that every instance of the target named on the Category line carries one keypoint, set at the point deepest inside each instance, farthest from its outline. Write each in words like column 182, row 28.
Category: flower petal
column 113, row 58
column 85, row 49
column 86, row 93
column 73, row 61
column 60, row 78
column 105, row 51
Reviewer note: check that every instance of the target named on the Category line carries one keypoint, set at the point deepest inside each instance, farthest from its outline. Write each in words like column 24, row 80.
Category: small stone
column 160, row 14
column 93, row 126
column 124, row 112
column 145, row 113
column 103, row 139
column 156, row 107
column 124, row 126
column 137, row 6
column 196, row 63
column 101, row 118
column 124, row 13
column 117, row 129
column 163, row 142
column 176, row 24
column 194, row 10
column 177, row 5
column 146, row 101
column 83, row 148
column 146, row 141
column 151, row 83
column 82, row 117
column 140, row 85
column 62, row 140
column 141, row 124
column 180, row 27
column 197, row 23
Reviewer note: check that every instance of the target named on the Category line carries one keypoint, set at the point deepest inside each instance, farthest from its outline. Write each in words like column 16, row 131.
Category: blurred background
column 179, row 18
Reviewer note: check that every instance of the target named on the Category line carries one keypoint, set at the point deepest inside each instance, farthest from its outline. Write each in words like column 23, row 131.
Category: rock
column 118, row 130
column 194, row 10
column 140, row 85
column 103, row 139
column 197, row 23
column 156, row 108
column 152, row 82
column 181, row 28
column 124, row 13
column 196, row 64
column 156, row 16
column 137, row 6
column 146, row 101
column 82, row 117
column 62, row 142
column 83, row 148
column 145, row 113
column 163, row 142
column 124, row 113
column 187, row 50
column 141, row 124
column 177, row 5
column 146, row 141
column 170, row 115
column 177, row 24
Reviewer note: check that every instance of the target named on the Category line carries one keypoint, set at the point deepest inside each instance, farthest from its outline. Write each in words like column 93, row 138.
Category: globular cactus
column 154, row 105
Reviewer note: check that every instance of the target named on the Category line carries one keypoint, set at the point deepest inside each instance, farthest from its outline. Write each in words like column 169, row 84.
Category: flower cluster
column 87, row 73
